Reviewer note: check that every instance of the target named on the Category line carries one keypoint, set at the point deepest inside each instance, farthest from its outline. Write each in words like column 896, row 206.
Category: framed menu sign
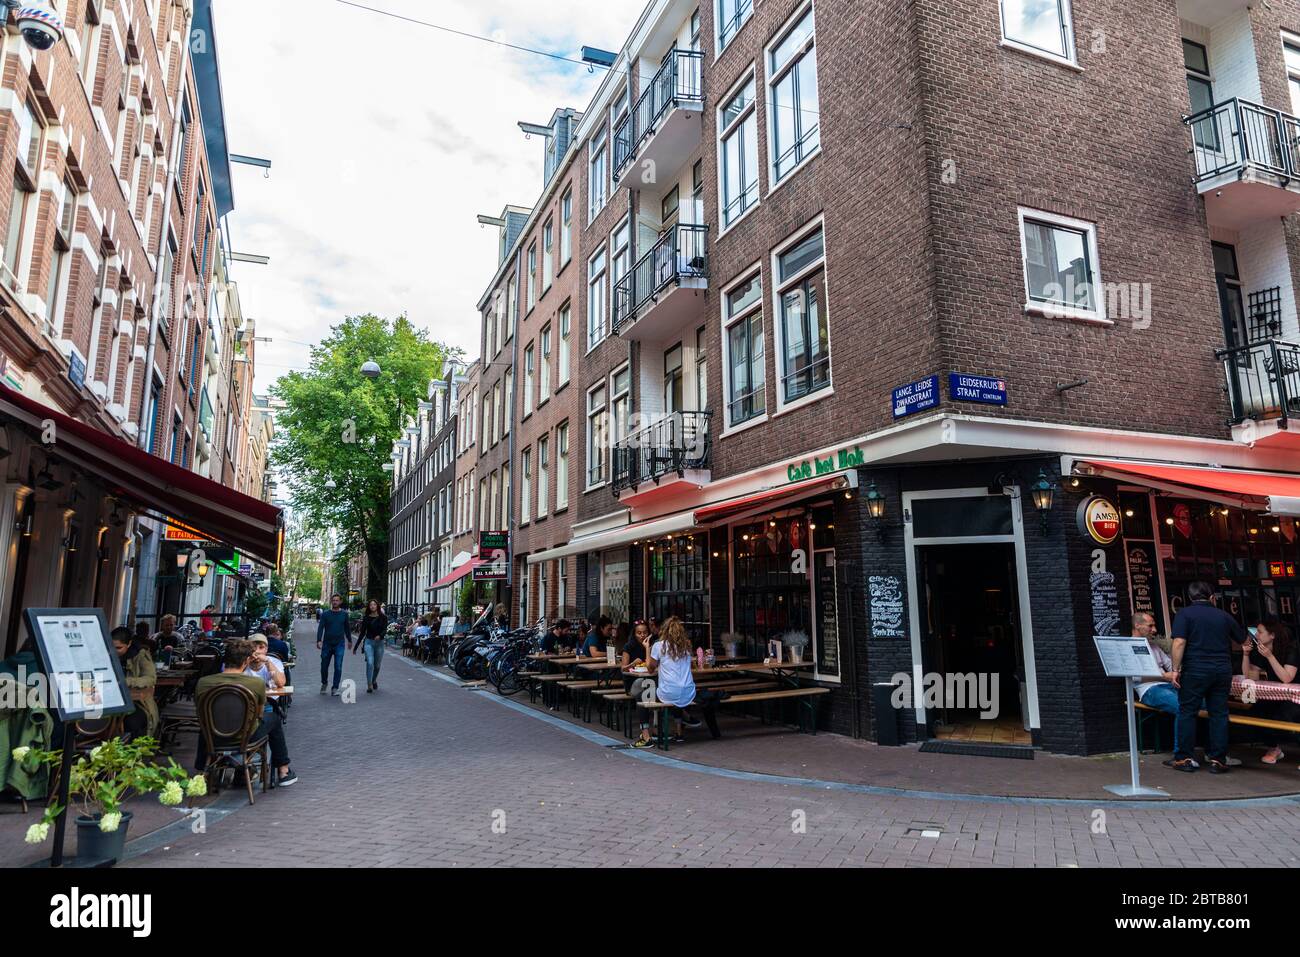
column 84, row 672
column 1144, row 581
column 828, row 615
column 886, row 597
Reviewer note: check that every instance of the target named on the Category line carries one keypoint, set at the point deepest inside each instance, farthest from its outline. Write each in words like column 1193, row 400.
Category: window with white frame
column 27, row 171
column 562, row 466
column 494, row 488
column 620, row 404
column 566, row 328
column 532, row 277
column 618, row 109
column 1062, row 276
column 484, row 497
column 548, row 254
column 526, row 488
column 541, row 589
column 544, row 373
column 529, row 358
column 794, row 110
column 1291, row 53
column 597, row 174
column 743, row 321
column 621, row 256
column 803, row 326
column 738, row 166
column 508, row 400
column 596, row 296
column 732, row 15
column 597, row 436
column 543, row 475
column 505, row 496
column 496, row 413
column 512, row 308
column 566, row 226
column 64, row 221
column 1040, row 26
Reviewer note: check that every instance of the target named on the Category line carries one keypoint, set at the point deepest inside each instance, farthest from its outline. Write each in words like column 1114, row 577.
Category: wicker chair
column 228, row 720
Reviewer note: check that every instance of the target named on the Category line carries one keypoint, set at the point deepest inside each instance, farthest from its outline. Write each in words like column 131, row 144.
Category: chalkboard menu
column 1105, row 604
column 886, row 594
column 1144, row 581
column 828, row 616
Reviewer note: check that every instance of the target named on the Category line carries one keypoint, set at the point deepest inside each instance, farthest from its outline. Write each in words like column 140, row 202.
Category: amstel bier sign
column 1099, row 519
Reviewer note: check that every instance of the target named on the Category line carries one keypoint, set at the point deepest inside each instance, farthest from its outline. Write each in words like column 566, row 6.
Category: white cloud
column 387, row 139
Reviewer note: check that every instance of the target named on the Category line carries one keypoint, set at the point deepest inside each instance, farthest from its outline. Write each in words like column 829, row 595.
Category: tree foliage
column 338, row 425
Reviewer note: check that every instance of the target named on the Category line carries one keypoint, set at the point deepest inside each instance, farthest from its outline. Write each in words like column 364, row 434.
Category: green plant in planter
column 796, row 641
column 102, row 781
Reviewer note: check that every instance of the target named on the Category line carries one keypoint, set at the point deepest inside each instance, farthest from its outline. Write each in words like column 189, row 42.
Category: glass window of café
column 677, row 583
column 784, row 581
column 1249, row 557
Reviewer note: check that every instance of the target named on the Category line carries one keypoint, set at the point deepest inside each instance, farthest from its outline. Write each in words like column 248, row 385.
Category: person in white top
column 670, row 661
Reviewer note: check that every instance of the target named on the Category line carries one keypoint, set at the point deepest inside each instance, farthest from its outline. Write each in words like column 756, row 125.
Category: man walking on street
column 332, row 641
column 1202, row 657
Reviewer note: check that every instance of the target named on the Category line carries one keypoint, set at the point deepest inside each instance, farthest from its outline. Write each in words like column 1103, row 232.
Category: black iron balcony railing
column 682, row 252
column 680, row 80
column 1236, row 134
column 1263, row 380
column 675, row 443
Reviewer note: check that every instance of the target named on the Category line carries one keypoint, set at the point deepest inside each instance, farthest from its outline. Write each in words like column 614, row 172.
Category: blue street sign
column 77, row 370
column 977, row 388
column 916, row 397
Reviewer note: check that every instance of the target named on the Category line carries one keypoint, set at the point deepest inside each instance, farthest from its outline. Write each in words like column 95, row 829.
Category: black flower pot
column 96, row 845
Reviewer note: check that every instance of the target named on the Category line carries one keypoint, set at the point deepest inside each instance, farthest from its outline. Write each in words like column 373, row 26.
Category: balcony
column 1263, row 386
column 1247, row 162
column 669, row 453
column 661, row 291
column 663, row 129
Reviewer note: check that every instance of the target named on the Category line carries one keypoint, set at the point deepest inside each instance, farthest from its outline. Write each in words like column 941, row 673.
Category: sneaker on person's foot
column 1181, row 764
column 334, row 691
column 692, row 722
column 642, row 743
column 369, row 688
column 1218, row 767
column 323, row 689
column 1273, row 756
column 286, row 779
column 1233, row 762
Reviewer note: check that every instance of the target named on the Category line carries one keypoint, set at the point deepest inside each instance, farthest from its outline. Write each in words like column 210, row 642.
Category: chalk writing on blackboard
column 1105, row 604
column 886, row 593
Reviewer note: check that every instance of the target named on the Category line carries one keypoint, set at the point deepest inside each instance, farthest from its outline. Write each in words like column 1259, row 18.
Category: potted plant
column 101, row 782
column 732, row 642
column 796, row 642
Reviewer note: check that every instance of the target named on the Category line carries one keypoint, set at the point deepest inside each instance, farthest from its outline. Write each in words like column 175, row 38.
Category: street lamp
column 370, row 369
column 1043, row 492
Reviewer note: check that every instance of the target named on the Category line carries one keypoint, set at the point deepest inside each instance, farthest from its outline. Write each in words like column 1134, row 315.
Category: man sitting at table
column 165, row 640
column 263, row 664
column 557, row 636
column 233, row 672
column 1161, row 695
column 276, row 644
column 1271, row 655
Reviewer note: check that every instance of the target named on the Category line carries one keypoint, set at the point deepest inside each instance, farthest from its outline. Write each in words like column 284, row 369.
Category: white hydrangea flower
column 171, row 794
column 20, row 753
column 37, row 833
column 110, row 821
column 197, row 786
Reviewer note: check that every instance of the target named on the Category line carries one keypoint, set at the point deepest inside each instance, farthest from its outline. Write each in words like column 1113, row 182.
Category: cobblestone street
column 418, row 773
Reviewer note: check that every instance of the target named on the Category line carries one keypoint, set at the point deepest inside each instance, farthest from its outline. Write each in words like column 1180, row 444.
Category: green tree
column 339, row 425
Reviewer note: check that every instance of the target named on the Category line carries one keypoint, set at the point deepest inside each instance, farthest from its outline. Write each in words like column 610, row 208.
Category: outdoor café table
column 604, row 669
column 1264, row 690
column 785, row 671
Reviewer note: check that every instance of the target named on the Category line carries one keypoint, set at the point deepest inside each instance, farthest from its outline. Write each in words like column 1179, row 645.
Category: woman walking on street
column 371, row 630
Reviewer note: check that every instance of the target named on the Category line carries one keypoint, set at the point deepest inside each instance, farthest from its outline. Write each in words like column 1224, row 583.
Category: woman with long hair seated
column 670, row 661
column 1271, row 655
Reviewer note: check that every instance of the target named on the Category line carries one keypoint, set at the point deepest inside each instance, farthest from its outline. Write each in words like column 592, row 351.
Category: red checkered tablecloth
column 1247, row 689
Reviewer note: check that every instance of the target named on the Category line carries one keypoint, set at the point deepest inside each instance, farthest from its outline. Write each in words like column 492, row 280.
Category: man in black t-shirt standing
column 1202, row 653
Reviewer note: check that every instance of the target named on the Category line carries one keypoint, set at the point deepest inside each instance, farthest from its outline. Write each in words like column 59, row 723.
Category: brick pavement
column 417, row 774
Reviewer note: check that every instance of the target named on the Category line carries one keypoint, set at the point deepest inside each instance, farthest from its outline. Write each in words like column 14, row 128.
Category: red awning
column 770, row 498
column 456, row 574
column 1274, row 491
column 249, row 525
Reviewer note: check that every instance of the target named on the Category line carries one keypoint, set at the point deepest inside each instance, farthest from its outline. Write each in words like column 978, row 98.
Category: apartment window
column 669, row 205
column 1291, row 51
column 563, row 595
column 566, row 226
column 512, row 309
column 491, row 322
column 732, row 15
column 543, row 475
column 64, row 220
column 526, row 489
column 548, row 254
column 544, row 385
column 738, row 169
column 562, row 466
column 508, row 397
column 1061, row 273
column 493, row 493
column 483, row 499
column 1040, row 26
column 597, row 428
column 597, row 175
column 794, row 124
column 487, row 424
column 88, row 34
column 803, row 326
column 673, row 379
column 596, row 325
column 505, row 497
column 27, row 171
column 619, row 108
column 566, row 327
column 743, row 319
column 701, row 370
column 1201, row 93
column 528, row 379
column 532, row 276
column 621, row 403
column 155, row 400
column 621, row 244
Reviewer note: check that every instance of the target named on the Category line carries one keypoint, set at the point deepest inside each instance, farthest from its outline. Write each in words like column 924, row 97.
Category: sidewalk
column 749, row 745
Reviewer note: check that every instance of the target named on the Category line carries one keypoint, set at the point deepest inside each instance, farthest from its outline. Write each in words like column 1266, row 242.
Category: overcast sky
column 387, row 140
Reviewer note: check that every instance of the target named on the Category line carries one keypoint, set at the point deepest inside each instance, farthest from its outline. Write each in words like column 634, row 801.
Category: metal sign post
column 1129, row 658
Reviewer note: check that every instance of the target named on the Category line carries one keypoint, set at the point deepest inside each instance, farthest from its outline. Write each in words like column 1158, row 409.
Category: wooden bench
column 617, row 697
column 802, row 695
column 1243, row 718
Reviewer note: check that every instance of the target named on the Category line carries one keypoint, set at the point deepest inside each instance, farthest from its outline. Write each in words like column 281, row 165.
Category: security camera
column 40, row 26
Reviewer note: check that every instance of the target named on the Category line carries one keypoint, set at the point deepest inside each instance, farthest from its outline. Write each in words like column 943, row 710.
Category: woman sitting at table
column 670, row 661
column 141, row 677
column 593, row 646
column 1271, row 655
column 636, row 652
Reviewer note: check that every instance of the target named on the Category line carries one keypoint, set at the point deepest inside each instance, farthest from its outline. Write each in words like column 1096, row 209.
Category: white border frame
column 1096, row 315
column 1067, row 16
column 778, row 331
column 725, row 327
column 750, row 73
column 773, row 182
column 1017, row 539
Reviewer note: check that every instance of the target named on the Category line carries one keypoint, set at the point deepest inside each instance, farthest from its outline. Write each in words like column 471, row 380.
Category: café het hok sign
column 835, row 462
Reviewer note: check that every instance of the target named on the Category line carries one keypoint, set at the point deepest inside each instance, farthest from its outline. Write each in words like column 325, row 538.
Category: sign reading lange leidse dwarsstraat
column 916, row 397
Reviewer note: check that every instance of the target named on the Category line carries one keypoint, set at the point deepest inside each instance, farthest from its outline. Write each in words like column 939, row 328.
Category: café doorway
column 970, row 619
